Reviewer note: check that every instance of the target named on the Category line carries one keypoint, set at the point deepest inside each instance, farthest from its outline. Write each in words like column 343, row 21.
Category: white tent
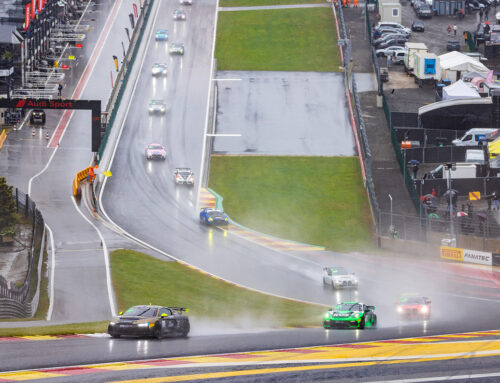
column 459, row 89
column 454, row 63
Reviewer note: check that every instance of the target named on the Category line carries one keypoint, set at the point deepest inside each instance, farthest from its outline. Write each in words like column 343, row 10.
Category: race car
column 210, row 216
column 184, row 176
column 176, row 49
column 339, row 278
column 150, row 321
column 159, row 70
column 186, row 2
column 155, row 152
column 350, row 315
column 161, row 35
column 413, row 306
column 37, row 116
column 157, row 106
column 179, row 14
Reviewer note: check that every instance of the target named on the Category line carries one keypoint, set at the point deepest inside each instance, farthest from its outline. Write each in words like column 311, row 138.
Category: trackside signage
column 479, row 257
column 452, row 254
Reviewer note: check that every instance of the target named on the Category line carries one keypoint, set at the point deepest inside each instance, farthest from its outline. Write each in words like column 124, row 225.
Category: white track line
column 52, row 271
column 207, row 113
column 112, row 305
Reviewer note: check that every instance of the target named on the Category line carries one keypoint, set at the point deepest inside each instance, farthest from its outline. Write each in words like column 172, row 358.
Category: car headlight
column 327, row 315
column 357, row 315
column 112, row 323
column 143, row 324
column 210, row 219
column 225, row 219
column 399, row 309
column 424, row 310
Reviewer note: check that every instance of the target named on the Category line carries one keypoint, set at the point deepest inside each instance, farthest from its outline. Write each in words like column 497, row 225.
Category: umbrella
column 450, row 192
column 428, row 197
column 462, row 214
column 487, row 22
column 481, row 215
column 413, row 162
column 433, row 215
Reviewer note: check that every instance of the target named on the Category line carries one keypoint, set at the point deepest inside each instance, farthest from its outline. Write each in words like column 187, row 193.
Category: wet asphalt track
column 165, row 217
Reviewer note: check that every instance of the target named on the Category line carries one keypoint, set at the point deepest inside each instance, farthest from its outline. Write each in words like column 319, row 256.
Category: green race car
column 350, row 315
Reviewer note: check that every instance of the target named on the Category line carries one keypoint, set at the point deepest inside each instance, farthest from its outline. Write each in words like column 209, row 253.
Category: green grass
column 74, row 328
column 140, row 279
column 277, row 40
column 255, row 3
column 315, row 200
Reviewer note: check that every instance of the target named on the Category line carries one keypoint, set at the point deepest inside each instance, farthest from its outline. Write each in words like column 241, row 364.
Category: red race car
column 411, row 306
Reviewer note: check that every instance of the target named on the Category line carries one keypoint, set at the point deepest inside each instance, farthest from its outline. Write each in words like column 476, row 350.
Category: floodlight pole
column 390, row 197
column 452, row 231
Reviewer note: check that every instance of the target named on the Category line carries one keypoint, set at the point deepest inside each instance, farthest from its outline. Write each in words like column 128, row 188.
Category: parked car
column 424, row 11
column 398, row 57
column 393, row 25
column 474, row 5
column 453, row 45
column 391, row 42
column 418, row 26
column 377, row 33
column 389, row 37
column 389, row 51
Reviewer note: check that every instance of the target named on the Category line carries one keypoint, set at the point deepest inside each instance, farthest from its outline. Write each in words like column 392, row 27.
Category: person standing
column 388, row 60
column 415, row 171
column 486, row 12
column 448, row 29
column 481, row 14
column 455, row 30
column 59, row 89
column 495, row 201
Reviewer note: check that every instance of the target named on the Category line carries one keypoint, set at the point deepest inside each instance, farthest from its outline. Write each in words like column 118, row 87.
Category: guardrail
column 79, row 177
column 22, row 300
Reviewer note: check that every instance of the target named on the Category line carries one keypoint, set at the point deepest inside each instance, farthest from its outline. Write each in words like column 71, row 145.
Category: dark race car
column 150, row 321
column 410, row 306
column 37, row 116
column 216, row 217
column 350, row 315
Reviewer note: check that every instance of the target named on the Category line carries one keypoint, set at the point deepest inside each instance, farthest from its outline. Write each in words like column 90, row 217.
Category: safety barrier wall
column 124, row 73
column 3, row 137
column 79, row 177
column 358, row 126
column 436, row 154
column 24, row 295
column 467, row 256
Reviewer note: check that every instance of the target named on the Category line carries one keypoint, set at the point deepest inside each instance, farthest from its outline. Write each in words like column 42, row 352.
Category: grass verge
column 65, row 329
column 172, row 284
column 315, row 200
column 278, row 40
column 256, row 3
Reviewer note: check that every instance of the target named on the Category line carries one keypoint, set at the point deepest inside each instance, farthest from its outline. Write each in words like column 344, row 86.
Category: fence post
column 17, row 200
column 26, row 207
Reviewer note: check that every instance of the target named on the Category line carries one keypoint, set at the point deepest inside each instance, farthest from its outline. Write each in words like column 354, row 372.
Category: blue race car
column 210, row 216
column 161, row 35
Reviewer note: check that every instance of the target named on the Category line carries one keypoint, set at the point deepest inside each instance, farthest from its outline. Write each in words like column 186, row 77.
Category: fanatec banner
column 479, row 257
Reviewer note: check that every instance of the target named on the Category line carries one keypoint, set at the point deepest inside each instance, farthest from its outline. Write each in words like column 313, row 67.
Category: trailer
column 426, row 68
column 411, row 49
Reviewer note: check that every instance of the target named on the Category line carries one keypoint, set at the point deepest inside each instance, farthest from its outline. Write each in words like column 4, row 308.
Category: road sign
column 474, row 196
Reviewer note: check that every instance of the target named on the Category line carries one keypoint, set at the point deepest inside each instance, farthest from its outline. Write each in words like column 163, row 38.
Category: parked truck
column 426, row 68
column 411, row 49
column 460, row 170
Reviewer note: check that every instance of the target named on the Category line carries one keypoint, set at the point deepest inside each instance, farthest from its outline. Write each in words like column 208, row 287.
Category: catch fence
column 22, row 299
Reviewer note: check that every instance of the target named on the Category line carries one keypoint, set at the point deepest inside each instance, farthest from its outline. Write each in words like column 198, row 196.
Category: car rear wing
column 180, row 310
column 370, row 307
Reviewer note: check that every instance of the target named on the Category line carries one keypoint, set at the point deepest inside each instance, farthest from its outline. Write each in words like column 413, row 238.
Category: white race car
column 179, row 14
column 186, row 2
column 157, row 106
column 155, row 152
column 159, row 70
column 176, row 49
column 184, row 176
column 339, row 278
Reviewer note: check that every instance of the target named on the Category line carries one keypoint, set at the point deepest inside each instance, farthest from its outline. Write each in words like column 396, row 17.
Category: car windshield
column 412, row 300
column 161, row 31
column 155, row 147
column 185, row 173
column 141, row 311
column 157, row 102
column 215, row 213
column 338, row 271
column 348, row 307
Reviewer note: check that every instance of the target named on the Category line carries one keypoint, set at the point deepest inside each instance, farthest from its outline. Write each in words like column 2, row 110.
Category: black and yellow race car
column 150, row 321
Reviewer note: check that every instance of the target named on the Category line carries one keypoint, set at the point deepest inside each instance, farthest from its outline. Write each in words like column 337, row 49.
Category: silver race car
column 184, row 176
column 339, row 278
column 159, row 70
column 157, row 106
column 155, row 152
column 176, row 49
column 179, row 14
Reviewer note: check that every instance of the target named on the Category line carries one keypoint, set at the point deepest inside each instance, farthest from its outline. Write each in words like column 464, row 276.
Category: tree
column 7, row 205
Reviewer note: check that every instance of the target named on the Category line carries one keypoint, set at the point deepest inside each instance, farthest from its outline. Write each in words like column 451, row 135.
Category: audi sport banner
column 452, row 253
column 479, row 257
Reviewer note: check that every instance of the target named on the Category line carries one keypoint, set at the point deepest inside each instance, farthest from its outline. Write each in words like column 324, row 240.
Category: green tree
column 7, row 205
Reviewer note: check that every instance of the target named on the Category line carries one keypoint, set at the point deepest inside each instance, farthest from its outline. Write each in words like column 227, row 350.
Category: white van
column 476, row 136
column 392, row 24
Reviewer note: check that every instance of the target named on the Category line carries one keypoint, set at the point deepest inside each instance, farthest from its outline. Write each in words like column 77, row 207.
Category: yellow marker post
column 474, row 196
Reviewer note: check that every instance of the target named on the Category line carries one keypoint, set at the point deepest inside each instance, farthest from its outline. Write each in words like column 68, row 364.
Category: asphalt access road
column 282, row 113
column 80, row 292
